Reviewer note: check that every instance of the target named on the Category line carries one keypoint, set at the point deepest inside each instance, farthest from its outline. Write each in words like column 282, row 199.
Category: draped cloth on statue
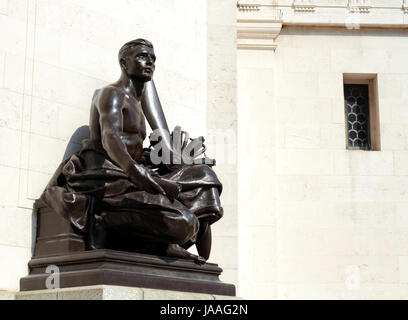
column 90, row 183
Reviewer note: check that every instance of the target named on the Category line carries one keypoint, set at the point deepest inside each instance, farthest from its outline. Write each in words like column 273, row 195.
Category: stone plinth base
column 116, row 268
column 115, row 293
column 7, row 295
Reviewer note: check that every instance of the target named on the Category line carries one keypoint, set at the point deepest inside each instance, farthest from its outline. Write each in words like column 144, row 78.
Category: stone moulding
column 359, row 6
column 360, row 9
column 258, row 29
column 303, row 6
column 248, row 6
column 258, row 32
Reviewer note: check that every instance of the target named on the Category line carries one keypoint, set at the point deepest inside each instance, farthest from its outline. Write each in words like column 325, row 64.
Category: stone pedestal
column 105, row 292
column 7, row 295
column 108, row 267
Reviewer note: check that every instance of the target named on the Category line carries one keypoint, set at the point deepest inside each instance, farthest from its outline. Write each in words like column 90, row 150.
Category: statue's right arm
column 109, row 105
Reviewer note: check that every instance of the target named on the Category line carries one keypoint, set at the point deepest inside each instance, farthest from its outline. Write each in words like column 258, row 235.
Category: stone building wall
column 53, row 55
column 321, row 221
column 222, row 128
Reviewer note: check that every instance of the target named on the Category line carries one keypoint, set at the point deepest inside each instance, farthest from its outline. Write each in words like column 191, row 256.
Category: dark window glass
column 357, row 116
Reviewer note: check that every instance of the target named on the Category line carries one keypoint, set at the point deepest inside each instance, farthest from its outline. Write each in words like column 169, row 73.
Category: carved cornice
column 359, row 6
column 260, row 21
column 258, row 34
column 303, row 6
column 248, row 5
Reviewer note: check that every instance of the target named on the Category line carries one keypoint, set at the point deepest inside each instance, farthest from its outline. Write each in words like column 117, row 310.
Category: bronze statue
column 110, row 190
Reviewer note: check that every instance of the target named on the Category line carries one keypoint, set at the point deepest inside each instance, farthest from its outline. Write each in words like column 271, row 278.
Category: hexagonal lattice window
column 357, row 117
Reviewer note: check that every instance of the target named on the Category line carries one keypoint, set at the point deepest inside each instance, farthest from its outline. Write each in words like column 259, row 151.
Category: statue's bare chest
column 133, row 117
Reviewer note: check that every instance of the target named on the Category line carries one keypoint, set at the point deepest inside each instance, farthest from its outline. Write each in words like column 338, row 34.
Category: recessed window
column 361, row 112
column 358, row 116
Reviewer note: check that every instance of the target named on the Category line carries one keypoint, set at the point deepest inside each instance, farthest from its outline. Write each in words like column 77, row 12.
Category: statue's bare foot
column 97, row 235
column 174, row 250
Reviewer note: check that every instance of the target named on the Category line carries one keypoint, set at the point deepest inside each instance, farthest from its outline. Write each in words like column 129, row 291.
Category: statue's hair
column 123, row 52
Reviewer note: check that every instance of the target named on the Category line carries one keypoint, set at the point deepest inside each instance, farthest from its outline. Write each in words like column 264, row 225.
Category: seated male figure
column 112, row 195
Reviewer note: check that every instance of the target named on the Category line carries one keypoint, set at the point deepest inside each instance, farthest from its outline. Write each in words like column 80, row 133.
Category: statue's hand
column 142, row 178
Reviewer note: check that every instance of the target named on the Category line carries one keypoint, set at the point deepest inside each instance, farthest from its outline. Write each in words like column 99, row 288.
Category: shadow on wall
column 80, row 134
column 75, row 143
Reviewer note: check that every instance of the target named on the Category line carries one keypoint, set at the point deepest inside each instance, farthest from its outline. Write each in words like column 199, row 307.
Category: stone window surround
column 369, row 79
column 259, row 22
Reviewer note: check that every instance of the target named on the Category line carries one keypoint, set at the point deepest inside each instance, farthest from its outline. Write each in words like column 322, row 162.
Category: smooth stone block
column 105, row 292
column 7, row 295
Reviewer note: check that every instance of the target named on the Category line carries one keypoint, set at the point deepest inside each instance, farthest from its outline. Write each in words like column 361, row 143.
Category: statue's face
column 140, row 63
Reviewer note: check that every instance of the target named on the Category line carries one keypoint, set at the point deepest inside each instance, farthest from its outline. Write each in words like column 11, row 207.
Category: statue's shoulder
column 109, row 96
column 111, row 91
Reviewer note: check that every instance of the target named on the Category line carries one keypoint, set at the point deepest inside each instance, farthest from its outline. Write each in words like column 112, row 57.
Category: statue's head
column 137, row 59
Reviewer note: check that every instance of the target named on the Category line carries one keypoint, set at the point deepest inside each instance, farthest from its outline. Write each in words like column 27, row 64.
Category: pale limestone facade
column 263, row 81
column 317, row 220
